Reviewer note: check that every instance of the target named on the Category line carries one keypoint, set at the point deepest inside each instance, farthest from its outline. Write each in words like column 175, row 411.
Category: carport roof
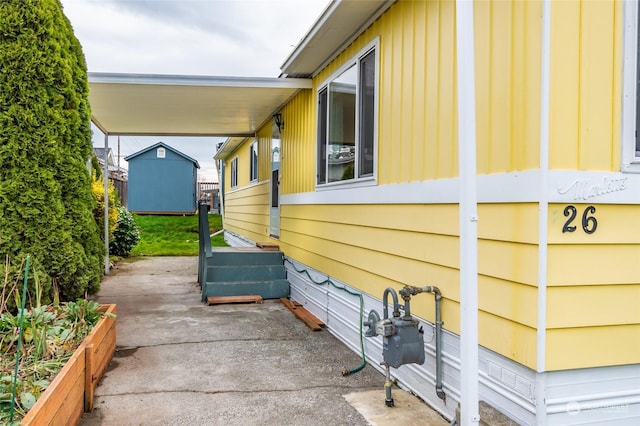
column 178, row 105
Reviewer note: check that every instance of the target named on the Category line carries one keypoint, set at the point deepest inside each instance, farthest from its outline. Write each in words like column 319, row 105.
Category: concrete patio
column 179, row 362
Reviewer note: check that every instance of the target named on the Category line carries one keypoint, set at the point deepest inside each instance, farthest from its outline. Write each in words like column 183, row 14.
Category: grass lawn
column 173, row 235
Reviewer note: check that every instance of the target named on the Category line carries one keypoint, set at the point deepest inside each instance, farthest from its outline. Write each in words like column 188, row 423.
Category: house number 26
column 589, row 222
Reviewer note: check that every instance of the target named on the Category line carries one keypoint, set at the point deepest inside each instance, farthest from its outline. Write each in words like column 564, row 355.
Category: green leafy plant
column 50, row 334
column 126, row 234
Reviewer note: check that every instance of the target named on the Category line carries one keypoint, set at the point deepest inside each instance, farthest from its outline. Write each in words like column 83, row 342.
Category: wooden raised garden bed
column 71, row 391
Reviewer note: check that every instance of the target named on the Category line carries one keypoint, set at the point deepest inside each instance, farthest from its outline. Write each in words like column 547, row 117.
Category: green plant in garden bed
column 50, row 335
column 173, row 235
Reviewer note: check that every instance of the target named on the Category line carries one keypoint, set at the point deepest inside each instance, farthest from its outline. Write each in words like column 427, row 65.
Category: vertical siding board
column 616, row 85
column 447, row 151
column 297, row 165
column 416, row 52
column 385, row 135
column 596, row 76
column 432, row 55
column 518, row 86
column 532, row 69
column 482, row 25
column 500, row 83
column 395, row 81
column 564, row 85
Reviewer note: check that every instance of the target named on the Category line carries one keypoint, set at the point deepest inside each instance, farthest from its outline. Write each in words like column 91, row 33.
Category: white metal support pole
column 469, row 414
column 105, row 177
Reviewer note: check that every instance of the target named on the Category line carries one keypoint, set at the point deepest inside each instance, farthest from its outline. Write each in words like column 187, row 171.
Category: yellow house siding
column 593, row 346
column 417, row 128
column 508, row 338
column 264, row 148
column 591, row 306
column 508, row 222
column 593, row 264
column 247, row 211
column 509, row 261
column 591, row 286
column 373, row 247
column 508, row 63
column 593, row 293
column 584, row 85
column 416, row 115
column 298, row 146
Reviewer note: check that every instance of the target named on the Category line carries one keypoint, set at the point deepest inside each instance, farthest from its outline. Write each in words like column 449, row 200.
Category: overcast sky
column 249, row 38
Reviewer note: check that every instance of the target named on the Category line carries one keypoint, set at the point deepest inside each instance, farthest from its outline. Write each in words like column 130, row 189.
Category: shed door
column 274, row 213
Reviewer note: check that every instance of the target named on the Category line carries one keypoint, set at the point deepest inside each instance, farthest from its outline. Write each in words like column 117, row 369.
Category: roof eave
column 229, row 146
column 339, row 25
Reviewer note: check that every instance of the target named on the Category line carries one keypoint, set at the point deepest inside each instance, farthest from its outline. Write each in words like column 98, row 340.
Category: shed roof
column 164, row 145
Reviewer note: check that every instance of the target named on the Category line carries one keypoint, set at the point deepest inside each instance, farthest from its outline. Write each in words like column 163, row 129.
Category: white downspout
column 465, row 56
column 106, row 203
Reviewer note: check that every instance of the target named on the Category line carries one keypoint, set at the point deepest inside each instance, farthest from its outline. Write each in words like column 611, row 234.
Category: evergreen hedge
column 45, row 142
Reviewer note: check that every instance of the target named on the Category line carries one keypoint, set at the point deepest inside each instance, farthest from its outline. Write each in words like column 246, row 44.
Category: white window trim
column 630, row 162
column 356, row 181
column 234, row 165
column 252, row 178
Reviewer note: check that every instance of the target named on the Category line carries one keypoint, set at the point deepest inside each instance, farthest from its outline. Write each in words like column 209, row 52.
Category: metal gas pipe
column 402, row 336
column 406, row 293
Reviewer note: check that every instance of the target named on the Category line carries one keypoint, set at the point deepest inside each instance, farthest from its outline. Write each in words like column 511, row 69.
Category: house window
column 234, row 173
column 631, row 87
column 161, row 153
column 347, row 113
column 253, row 161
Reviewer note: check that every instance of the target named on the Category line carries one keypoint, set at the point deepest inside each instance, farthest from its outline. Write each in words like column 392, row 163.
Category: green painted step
column 237, row 256
column 245, row 273
column 269, row 289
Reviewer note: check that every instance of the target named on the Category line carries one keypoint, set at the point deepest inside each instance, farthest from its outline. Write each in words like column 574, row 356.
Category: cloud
column 205, row 37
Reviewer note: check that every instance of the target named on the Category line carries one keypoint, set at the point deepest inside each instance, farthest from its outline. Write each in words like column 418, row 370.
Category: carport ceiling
column 136, row 104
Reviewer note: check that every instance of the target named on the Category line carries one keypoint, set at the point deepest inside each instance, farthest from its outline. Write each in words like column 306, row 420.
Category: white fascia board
column 230, row 145
column 197, row 80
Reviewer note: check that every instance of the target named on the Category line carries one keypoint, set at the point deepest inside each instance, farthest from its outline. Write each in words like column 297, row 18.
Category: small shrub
column 126, row 234
column 97, row 187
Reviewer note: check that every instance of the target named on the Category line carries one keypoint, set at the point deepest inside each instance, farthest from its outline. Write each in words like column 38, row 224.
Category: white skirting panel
column 235, row 240
column 594, row 396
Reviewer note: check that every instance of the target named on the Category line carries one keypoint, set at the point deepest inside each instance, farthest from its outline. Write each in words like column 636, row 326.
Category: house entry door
column 274, row 214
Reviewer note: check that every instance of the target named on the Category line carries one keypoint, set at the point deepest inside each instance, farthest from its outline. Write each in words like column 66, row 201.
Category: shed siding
column 162, row 185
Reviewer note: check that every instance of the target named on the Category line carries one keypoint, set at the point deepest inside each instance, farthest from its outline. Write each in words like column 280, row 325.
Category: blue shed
column 162, row 180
